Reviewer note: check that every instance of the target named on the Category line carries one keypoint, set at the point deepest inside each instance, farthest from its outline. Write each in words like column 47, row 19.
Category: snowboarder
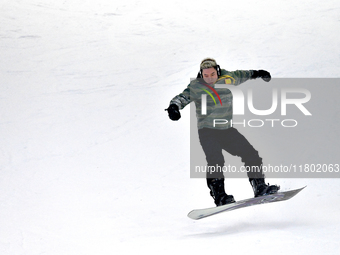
column 215, row 138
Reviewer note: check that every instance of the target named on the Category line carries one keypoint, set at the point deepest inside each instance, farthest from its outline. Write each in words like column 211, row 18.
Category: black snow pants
column 213, row 141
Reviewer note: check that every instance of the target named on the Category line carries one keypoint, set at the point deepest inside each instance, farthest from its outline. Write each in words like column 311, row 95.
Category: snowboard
column 276, row 197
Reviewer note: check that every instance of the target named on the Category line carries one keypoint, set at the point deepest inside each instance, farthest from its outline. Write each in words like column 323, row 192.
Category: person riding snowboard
column 215, row 138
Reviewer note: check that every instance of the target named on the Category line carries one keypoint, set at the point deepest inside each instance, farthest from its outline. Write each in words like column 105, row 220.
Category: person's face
column 210, row 75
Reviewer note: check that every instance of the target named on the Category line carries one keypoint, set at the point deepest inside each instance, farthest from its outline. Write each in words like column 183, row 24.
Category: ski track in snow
column 90, row 163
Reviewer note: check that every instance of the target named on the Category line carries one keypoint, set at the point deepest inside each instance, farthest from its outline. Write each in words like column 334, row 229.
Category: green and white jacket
column 218, row 100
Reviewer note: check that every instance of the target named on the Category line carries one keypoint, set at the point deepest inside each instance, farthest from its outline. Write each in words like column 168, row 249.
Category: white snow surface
column 89, row 161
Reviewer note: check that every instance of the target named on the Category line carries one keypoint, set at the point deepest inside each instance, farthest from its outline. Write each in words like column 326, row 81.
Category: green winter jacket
column 216, row 102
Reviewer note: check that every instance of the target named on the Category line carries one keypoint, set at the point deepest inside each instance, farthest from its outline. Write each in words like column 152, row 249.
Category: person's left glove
column 173, row 112
column 265, row 75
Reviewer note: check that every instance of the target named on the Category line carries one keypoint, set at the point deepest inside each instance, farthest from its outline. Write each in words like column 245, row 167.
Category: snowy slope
column 89, row 161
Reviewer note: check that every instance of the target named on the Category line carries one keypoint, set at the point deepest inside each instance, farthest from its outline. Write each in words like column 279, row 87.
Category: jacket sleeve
column 241, row 76
column 183, row 99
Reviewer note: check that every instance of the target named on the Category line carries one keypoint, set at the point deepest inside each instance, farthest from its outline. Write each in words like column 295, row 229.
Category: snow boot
column 260, row 188
column 216, row 187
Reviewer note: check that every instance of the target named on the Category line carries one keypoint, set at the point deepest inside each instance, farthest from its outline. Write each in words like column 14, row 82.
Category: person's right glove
column 173, row 112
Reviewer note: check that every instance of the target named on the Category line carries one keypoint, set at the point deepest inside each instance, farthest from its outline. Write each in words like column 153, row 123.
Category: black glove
column 173, row 112
column 261, row 74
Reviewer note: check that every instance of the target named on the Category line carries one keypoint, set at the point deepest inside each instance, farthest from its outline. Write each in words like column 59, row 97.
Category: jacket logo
column 204, row 98
column 213, row 90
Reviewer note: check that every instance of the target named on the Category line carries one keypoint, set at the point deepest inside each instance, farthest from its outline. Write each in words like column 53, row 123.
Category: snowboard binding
column 217, row 191
column 260, row 188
